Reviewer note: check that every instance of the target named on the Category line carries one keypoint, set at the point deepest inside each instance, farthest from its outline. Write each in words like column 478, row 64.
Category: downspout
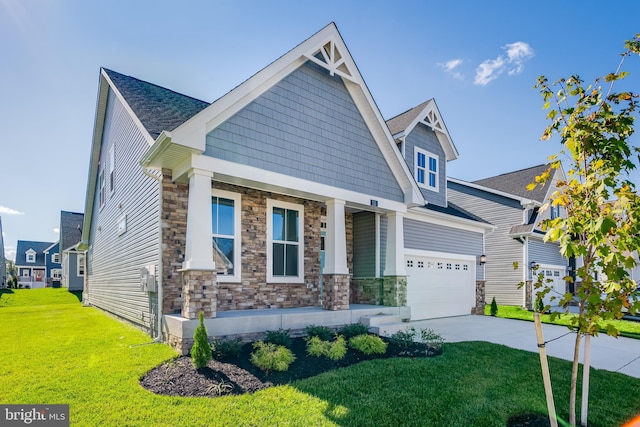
column 160, row 274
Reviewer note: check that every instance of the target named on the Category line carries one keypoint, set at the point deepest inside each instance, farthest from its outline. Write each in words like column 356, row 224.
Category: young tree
column 602, row 225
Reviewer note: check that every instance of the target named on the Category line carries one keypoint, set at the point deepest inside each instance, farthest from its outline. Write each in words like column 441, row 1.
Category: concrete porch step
column 388, row 329
column 379, row 319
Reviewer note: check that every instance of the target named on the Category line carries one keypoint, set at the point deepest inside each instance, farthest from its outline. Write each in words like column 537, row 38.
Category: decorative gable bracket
column 329, row 57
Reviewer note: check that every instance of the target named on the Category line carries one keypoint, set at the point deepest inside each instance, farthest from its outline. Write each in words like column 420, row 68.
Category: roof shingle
column 516, row 183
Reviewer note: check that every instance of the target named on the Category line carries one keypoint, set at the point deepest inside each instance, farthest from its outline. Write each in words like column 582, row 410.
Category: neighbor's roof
column 156, row 107
column 70, row 228
column 39, row 247
column 516, row 183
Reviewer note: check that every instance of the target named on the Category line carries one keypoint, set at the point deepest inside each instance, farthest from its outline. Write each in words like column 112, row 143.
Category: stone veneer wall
column 175, row 202
column 394, row 291
column 480, row 302
column 199, row 293
column 336, row 292
column 528, row 295
column 367, row 290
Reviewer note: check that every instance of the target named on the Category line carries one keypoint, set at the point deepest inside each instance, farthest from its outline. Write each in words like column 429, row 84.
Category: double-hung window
column 285, row 249
column 426, row 169
column 55, row 258
column 225, row 229
column 80, row 266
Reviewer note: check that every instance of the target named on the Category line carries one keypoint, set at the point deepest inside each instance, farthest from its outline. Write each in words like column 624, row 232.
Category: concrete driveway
column 613, row 354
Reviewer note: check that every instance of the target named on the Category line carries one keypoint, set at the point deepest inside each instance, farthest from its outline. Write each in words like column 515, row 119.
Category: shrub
column 539, row 305
column 322, row 332
column 494, row 307
column 279, row 337
column 353, row 330
column 368, row 344
column 226, row 349
column 432, row 339
column 333, row 350
column 404, row 339
column 271, row 357
column 201, row 351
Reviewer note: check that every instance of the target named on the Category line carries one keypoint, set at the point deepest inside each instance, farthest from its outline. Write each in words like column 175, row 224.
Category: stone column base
column 336, row 292
column 394, row 292
column 480, row 301
column 528, row 295
column 199, row 293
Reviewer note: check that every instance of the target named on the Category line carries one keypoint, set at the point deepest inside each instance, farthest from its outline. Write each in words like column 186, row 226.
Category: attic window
column 31, row 255
column 426, row 169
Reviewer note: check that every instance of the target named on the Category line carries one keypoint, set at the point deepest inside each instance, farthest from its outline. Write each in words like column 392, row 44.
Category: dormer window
column 426, row 169
column 31, row 255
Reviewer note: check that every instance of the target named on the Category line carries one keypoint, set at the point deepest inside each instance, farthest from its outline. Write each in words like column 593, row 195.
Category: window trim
column 291, row 206
column 80, row 263
column 30, row 256
column 53, row 274
column 55, row 258
column 236, row 277
column 112, row 168
column 427, row 170
column 101, row 187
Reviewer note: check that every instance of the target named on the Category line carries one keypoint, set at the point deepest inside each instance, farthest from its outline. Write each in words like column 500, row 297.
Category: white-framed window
column 426, row 169
column 31, row 255
column 555, row 212
column 112, row 169
column 55, row 258
column 285, row 237
column 80, row 270
column 56, row 274
column 121, row 225
column 101, row 185
column 225, row 234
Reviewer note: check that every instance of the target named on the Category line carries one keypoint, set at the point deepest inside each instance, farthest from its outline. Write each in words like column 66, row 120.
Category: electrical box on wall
column 148, row 278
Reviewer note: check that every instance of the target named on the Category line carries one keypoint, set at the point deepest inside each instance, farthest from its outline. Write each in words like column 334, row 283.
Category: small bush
column 226, row 349
column 271, row 357
column 201, row 350
column 333, row 350
column 322, row 332
column 432, row 339
column 404, row 339
column 368, row 344
column 494, row 307
column 539, row 305
column 353, row 330
column 279, row 337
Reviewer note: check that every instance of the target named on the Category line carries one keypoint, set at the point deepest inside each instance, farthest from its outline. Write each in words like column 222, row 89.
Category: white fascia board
column 253, row 177
column 525, row 202
column 46, row 251
column 440, row 218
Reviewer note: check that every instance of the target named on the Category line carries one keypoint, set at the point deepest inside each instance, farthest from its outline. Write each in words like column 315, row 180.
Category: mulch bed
column 178, row 377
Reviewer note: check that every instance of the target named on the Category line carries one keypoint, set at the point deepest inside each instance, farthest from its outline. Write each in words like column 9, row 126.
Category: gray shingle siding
column 75, row 282
column 423, row 137
column 438, row 238
column 501, row 250
column 545, row 253
column 115, row 260
column 307, row 126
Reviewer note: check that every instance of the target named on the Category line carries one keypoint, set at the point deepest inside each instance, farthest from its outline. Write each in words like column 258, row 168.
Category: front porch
column 252, row 324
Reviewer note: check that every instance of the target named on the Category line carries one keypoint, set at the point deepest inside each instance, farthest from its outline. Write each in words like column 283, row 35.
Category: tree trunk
column 585, row 380
column 546, row 378
column 574, row 382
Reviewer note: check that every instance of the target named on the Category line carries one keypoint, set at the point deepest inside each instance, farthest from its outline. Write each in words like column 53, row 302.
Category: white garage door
column 554, row 278
column 440, row 285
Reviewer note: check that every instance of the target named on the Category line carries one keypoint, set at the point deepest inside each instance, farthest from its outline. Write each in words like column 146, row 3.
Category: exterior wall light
column 533, row 265
column 482, row 260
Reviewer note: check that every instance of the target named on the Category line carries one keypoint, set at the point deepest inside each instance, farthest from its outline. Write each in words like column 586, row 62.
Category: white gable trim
column 336, row 58
column 430, row 116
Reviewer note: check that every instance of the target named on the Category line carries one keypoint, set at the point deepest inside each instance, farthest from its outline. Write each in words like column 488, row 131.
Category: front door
column 39, row 274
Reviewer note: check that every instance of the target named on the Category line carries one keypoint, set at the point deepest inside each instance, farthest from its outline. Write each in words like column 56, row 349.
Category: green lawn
column 626, row 328
column 61, row 352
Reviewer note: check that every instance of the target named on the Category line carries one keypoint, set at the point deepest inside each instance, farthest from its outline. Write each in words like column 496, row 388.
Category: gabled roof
column 428, row 114
column 156, row 107
column 39, row 247
column 516, row 183
column 70, row 229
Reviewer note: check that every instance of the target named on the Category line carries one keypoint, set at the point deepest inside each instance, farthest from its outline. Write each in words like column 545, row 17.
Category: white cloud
column 10, row 253
column 8, row 211
column 450, row 67
column 56, row 230
column 513, row 63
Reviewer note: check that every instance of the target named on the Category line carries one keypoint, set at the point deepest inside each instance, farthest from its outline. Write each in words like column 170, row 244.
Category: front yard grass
column 627, row 328
column 66, row 353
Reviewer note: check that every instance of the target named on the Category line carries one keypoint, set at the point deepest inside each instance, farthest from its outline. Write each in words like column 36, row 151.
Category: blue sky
column 479, row 60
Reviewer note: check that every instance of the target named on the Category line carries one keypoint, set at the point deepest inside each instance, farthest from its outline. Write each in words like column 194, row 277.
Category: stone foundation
column 367, row 290
column 336, row 292
column 199, row 293
column 528, row 295
column 480, row 301
column 394, row 291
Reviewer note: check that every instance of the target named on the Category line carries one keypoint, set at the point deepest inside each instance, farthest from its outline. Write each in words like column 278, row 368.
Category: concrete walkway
column 616, row 355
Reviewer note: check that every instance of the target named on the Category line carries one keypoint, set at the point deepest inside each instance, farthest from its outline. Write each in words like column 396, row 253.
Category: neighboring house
column 73, row 264
column 505, row 202
column 289, row 192
column 53, row 263
column 32, row 264
column 3, row 263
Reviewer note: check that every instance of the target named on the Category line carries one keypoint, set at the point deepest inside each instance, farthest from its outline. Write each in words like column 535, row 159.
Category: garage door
column 440, row 286
column 554, row 278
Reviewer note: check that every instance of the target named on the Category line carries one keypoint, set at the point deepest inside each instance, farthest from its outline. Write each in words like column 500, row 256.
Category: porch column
column 335, row 274
column 199, row 289
column 395, row 275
